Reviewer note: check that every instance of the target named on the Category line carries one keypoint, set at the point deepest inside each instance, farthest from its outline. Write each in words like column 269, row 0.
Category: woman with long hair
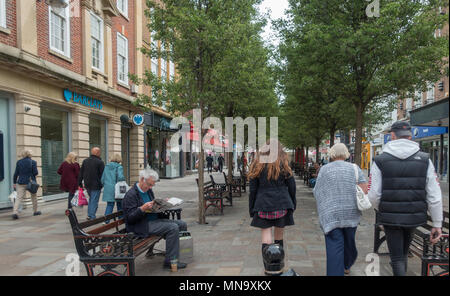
column 69, row 171
column 272, row 199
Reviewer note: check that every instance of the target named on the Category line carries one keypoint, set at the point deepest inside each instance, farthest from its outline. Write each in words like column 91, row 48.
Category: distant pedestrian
column 112, row 174
column 404, row 185
column 26, row 170
column 316, row 170
column 209, row 161
column 91, row 173
column 239, row 162
column 69, row 171
column 335, row 194
column 272, row 199
column 221, row 160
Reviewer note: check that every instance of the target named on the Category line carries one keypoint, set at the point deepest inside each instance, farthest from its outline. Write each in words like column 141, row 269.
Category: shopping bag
column 186, row 247
column 13, row 199
column 82, row 197
column 121, row 189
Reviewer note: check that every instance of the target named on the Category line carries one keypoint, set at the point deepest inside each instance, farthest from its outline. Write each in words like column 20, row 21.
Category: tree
column 197, row 36
column 369, row 60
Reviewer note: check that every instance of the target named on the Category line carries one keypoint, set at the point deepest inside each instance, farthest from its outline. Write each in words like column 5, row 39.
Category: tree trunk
column 332, row 133
column 201, row 201
column 230, row 164
column 317, row 150
column 307, row 155
column 359, row 131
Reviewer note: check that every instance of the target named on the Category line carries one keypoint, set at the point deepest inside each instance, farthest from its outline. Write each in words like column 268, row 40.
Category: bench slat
column 107, row 227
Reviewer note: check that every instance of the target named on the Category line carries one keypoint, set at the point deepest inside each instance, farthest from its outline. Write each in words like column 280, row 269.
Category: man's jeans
column 341, row 250
column 94, row 196
column 398, row 240
column 169, row 230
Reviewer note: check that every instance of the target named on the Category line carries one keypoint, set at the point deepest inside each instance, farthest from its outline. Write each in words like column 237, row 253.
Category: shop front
column 158, row 151
column 52, row 120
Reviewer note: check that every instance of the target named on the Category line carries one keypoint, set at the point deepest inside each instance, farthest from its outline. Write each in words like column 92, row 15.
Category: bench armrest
column 104, row 245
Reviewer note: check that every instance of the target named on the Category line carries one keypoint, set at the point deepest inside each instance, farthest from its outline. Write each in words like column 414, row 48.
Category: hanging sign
column 138, row 119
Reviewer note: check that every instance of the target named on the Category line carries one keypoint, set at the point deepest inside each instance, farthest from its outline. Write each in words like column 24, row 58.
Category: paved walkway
column 227, row 245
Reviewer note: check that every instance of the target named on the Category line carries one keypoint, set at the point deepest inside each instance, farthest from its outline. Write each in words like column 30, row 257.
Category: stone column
column 80, row 133
column 109, row 51
column 114, row 137
column 136, row 152
column 28, row 134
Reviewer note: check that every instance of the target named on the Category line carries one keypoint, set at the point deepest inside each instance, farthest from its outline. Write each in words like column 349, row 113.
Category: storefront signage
column 138, row 119
column 419, row 132
column 81, row 99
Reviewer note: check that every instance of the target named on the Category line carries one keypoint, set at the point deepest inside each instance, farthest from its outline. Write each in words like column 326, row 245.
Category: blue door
column 5, row 165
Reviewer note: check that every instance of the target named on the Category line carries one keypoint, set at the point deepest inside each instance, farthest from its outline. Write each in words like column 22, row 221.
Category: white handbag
column 121, row 189
column 362, row 199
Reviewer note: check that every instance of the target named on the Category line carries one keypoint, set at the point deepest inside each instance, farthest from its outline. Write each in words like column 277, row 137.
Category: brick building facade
column 64, row 85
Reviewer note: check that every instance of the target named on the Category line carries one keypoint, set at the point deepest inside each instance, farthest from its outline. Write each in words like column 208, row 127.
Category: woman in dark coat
column 69, row 171
column 272, row 199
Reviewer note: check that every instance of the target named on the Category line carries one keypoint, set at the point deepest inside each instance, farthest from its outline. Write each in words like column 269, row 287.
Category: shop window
column 3, row 13
column 59, row 23
column 97, row 136
column 55, row 146
column 97, row 42
column 122, row 58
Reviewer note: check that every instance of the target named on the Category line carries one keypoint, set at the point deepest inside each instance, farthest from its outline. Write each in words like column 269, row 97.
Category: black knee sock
column 280, row 242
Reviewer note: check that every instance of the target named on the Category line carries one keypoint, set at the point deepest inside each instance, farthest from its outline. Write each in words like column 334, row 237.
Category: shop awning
column 435, row 114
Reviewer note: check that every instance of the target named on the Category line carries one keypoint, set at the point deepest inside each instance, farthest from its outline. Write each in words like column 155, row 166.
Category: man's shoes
column 181, row 265
column 37, row 213
column 15, row 217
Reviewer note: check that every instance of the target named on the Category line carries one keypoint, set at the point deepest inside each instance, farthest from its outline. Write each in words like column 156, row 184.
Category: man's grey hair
column 148, row 173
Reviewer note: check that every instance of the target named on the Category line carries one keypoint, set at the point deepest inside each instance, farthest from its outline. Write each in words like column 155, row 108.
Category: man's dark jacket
column 404, row 198
column 91, row 172
column 135, row 218
column 26, row 169
column 273, row 195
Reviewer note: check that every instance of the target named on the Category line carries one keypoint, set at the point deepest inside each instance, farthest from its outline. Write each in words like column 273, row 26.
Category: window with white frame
column 122, row 5
column 154, row 45
column 3, row 13
column 97, row 42
column 430, row 93
column 122, row 58
column 171, row 70
column 163, row 66
column 59, row 23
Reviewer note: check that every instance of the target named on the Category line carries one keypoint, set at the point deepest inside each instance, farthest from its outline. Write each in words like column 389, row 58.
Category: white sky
column 277, row 8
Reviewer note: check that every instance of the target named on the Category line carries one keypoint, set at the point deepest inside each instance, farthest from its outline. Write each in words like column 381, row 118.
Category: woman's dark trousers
column 341, row 250
column 398, row 240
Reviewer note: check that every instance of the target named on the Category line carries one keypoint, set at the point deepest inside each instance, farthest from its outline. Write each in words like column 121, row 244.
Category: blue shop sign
column 419, row 132
column 81, row 99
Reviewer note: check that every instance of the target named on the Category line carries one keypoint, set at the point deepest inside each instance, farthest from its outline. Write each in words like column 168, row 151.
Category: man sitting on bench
column 137, row 204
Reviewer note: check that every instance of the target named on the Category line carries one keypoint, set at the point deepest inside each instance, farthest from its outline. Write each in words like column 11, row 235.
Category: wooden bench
column 434, row 258
column 212, row 196
column 235, row 186
column 108, row 250
column 243, row 180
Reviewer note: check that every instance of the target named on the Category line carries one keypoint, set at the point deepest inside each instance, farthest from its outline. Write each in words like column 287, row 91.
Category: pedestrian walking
column 91, row 173
column 335, row 194
column 272, row 199
column 221, row 161
column 26, row 170
column 112, row 174
column 209, row 161
column 404, row 185
column 69, row 171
